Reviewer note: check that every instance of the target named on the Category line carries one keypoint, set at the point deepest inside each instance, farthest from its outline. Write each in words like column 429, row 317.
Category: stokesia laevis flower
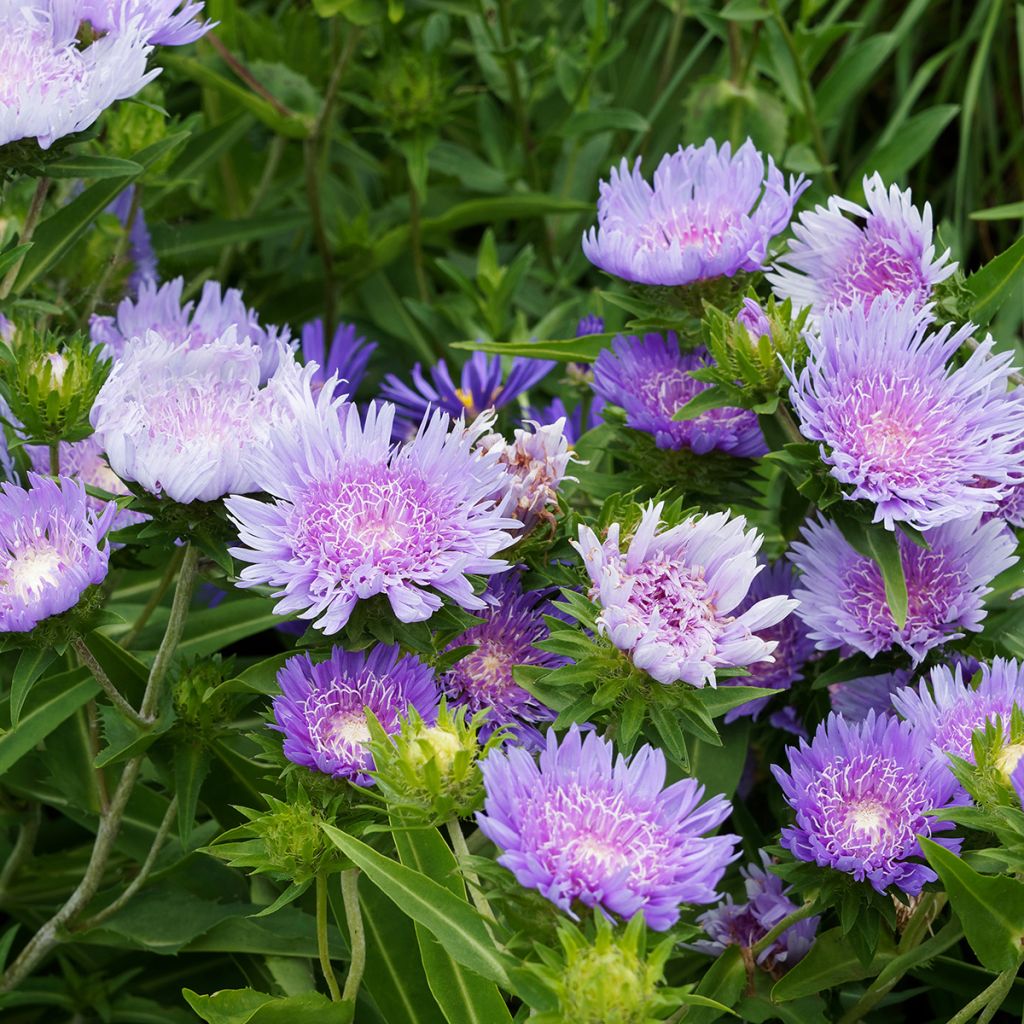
column 481, row 387
column 854, row 698
column 322, row 707
column 650, row 379
column 346, row 359
column 353, row 516
column 842, row 597
column 53, row 86
column 793, row 646
column 513, row 623
column 744, row 924
column 184, row 422
column 574, row 426
column 835, row 263
column 578, row 827
column 51, row 549
column 160, row 309
column 670, row 599
column 860, row 793
column 709, row 214
column 924, row 442
column 167, row 22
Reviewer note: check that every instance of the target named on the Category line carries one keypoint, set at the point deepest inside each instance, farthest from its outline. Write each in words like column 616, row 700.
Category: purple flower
column 51, row 549
column 513, row 623
column 140, row 246
column 793, row 646
column 743, row 924
column 346, row 359
column 53, row 86
column 322, row 708
column 670, row 600
column 834, row 263
column 856, row 697
column 574, row 427
column 923, row 442
column 577, row 827
column 353, row 517
column 860, row 793
column 754, row 318
column 709, row 214
column 590, row 324
column 650, row 379
column 184, row 421
column 843, row 601
column 1017, row 780
column 167, row 22
column 160, row 309
column 481, row 387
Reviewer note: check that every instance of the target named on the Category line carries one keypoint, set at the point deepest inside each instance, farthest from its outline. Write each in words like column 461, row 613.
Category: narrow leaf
column 885, row 551
column 993, row 284
column 32, row 663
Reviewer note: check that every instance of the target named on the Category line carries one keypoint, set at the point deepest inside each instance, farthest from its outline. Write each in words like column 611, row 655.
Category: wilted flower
column 53, row 86
column 744, row 924
column 184, row 421
column 577, row 827
column 842, row 598
column 709, row 214
column 924, row 442
column 669, row 600
column 160, row 309
column 51, row 549
column 835, row 263
column 861, row 793
column 167, row 22
column 322, row 707
column 650, row 379
column 354, row 517
column 574, row 426
column 513, row 623
column 346, row 359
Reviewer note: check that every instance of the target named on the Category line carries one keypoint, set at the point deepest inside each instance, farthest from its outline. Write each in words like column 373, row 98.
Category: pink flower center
column 873, row 267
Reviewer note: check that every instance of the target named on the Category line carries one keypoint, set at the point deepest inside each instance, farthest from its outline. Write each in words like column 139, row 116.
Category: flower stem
column 462, row 857
column 356, row 935
column 789, row 427
column 55, row 458
column 987, row 1001
column 35, row 211
column 88, row 659
column 807, row 910
column 154, row 599
column 322, row 944
column 22, row 849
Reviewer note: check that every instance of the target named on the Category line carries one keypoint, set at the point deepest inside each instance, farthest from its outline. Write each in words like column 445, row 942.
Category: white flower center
column 32, row 570
column 349, row 727
column 869, row 818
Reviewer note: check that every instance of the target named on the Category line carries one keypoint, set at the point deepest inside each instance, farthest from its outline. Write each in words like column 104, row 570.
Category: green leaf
column 7, row 260
column 724, row 982
column 1008, row 211
column 85, row 166
column 721, row 699
column 914, row 141
column 191, row 766
column 213, row 629
column 991, row 286
column 32, row 663
column 244, row 1006
column 590, row 122
column 885, row 551
column 211, row 236
column 710, row 398
column 991, row 908
column 571, row 350
column 832, row 961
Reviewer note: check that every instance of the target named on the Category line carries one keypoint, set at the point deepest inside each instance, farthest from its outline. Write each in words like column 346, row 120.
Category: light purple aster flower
column 856, row 697
column 842, row 598
column 835, row 263
column 754, row 318
column 353, row 516
column 346, row 359
column 580, row 828
column 53, row 86
column 709, row 214
column 878, row 396
column 184, row 422
column 51, row 549
column 793, row 645
column 670, row 599
column 744, row 924
column 322, row 707
column 512, row 624
column 860, row 793
column 481, row 387
column 166, row 22
column 141, row 254
column 650, row 379
column 160, row 309
column 1017, row 780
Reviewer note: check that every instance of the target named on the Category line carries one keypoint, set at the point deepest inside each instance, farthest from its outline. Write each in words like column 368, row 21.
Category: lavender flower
column 51, row 549
column 754, row 318
column 589, row 324
column 1017, row 781
column 793, row 646
column 744, row 924
column 577, row 827
column 354, row 517
column 834, row 263
column 322, row 707
column 856, row 697
column 877, row 394
column 512, row 626
column 574, row 426
column 160, row 309
column 843, row 601
column 52, row 85
column 709, row 214
column 167, row 22
column 861, row 793
column 480, row 387
column 346, row 359
column 670, row 600
column 650, row 379
column 140, row 246
column 184, row 421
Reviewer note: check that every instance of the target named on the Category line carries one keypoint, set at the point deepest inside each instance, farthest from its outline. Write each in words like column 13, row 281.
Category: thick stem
column 987, row 1001
column 807, row 910
column 462, row 856
column 22, row 850
column 789, row 427
column 86, row 657
column 356, row 935
column 416, row 241
column 35, row 211
column 154, row 599
column 322, row 945
column 55, row 458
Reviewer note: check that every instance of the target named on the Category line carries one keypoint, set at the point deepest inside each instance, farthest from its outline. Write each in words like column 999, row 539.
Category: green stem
column 154, row 599
column 987, row 1001
column 22, row 850
column 807, row 910
column 356, row 935
column 461, row 851
column 788, row 424
column 55, row 458
column 115, row 259
column 322, row 945
column 88, row 659
column 416, row 241
column 35, row 211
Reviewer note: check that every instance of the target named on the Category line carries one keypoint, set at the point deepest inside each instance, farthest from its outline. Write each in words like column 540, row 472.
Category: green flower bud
column 411, row 93
column 133, row 126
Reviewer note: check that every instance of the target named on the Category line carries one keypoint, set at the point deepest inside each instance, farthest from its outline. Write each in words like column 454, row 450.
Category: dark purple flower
column 346, row 359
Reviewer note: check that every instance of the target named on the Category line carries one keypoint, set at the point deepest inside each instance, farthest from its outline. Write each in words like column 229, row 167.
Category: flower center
column 32, row 570
column 875, row 267
column 868, row 818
